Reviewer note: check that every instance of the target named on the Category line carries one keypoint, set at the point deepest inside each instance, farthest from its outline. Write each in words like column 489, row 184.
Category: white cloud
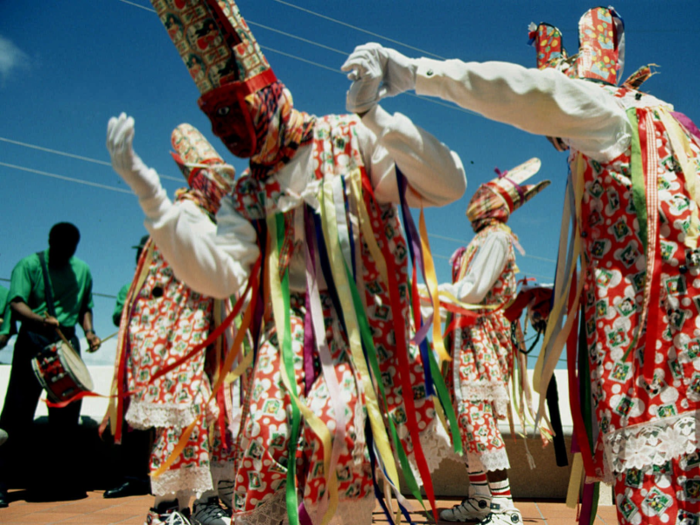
column 11, row 58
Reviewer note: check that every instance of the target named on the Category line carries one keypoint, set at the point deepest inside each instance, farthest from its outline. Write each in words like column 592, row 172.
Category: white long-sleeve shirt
column 483, row 271
column 216, row 260
column 543, row 102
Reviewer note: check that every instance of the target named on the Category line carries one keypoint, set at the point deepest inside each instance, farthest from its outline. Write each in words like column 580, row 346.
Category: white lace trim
column 143, row 415
column 491, row 459
column 274, row 510
column 652, row 443
column 483, row 391
column 437, row 446
column 270, row 512
column 182, row 482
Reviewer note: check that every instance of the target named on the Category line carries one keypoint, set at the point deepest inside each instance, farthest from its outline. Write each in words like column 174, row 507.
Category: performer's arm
column 94, row 342
column 483, row 272
column 214, row 260
column 544, row 102
column 211, row 262
column 435, row 173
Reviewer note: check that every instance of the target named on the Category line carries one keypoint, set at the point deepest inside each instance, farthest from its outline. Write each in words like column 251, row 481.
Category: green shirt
column 121, row 299
column 71, row 287
column 4, row 311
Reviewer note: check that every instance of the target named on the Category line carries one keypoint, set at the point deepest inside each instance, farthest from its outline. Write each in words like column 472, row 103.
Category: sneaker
column 503, row 517
column 164, row 515
column 473, row 508
column 209, row 512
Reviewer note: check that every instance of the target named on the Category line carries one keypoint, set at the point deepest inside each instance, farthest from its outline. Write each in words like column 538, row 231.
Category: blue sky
column 66, row 67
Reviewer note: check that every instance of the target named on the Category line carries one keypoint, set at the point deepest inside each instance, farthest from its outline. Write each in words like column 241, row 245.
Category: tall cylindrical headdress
column 224, row 60
column 601, row 54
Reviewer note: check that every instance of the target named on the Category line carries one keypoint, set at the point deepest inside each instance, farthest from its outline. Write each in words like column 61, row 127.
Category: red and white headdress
column 201, row 165
column 506, row 192
column 224, row 60
column 601, row 52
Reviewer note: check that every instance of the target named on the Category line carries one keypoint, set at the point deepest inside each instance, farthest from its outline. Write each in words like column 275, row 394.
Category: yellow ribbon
column 431, row 283
column 330, row 234
column 551, row 352
column 315, row 422
column 575, row 482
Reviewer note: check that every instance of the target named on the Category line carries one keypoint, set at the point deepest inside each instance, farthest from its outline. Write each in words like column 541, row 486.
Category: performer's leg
column 263, row 440
column 660, row 494
column 476, row 505
column 188, row 475
column 64, row 427
column 17, row 419
column 353, row 469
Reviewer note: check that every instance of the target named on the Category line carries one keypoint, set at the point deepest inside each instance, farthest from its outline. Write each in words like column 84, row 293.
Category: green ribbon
column 371, row 354
column 638, row 185
column 277, row 227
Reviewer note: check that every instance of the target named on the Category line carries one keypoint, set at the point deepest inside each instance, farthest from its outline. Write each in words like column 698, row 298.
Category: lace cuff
column 652, row 443
column 142, row 415
column 183, row 482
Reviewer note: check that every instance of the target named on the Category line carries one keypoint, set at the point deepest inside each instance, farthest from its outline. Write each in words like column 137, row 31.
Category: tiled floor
column 95, row 510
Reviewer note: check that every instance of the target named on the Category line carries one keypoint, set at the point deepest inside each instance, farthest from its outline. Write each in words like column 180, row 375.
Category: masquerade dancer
column 482, row 349
column 634, row 168
column 164, row 320
column 313, row 227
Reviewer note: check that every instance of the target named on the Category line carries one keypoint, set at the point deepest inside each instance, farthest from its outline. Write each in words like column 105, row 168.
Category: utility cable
column 71, row 155
column 61, row 177
column 340, row 22
column 432, row 100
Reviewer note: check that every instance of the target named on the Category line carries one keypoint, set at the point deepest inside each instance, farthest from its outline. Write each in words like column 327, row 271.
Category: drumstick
column 109, row 336
column 63, row 337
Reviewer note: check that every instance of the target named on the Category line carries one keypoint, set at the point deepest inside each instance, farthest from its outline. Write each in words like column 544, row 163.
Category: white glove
column 377, row 72
column 143, row 181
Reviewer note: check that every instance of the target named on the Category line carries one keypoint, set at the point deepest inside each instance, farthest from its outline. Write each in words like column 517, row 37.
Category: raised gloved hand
column 377, row 72
column 143, row 181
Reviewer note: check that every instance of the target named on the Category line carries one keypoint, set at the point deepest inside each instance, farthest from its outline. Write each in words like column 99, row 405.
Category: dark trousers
column 50, row 455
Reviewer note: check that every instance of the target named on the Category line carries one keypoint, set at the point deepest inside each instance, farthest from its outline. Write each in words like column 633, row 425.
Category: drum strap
column 47, row 285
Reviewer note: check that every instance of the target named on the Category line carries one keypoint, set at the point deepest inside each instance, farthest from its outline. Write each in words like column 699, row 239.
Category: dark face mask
column 230, row 119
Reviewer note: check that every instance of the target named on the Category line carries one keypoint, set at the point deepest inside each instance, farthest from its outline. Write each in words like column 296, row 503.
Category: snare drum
column 61, row 372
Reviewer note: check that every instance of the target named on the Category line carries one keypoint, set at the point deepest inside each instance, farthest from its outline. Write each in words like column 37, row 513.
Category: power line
column 340, row 22
column 72, row 155
column 61, row 177
column 431, row 100
column 322, row 46
column 139, row 6
column 306, row 61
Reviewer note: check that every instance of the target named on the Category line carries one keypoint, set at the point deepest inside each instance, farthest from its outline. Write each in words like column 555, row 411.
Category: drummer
column 42, row 312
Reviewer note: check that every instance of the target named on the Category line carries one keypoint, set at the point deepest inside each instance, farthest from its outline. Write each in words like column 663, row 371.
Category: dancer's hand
column 377, row 72
column 143, row 181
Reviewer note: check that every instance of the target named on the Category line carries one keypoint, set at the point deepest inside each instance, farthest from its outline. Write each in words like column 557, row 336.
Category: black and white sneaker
column 209, row 512
column 473, row 508
column 503, row 517
column 167, row 514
